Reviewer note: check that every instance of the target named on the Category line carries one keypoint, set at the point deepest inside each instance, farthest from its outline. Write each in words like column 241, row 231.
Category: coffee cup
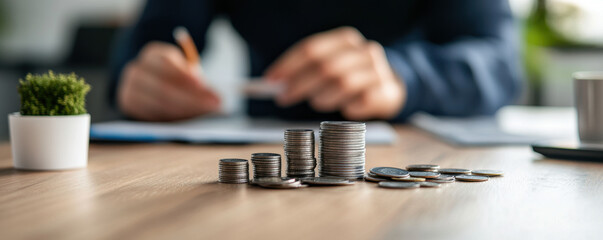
column 588, row 96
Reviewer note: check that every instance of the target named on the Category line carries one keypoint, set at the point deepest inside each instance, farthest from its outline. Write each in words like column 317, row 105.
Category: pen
column 185, row 41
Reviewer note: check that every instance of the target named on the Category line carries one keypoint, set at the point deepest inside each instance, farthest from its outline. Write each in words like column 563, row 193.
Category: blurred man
column 354, row 60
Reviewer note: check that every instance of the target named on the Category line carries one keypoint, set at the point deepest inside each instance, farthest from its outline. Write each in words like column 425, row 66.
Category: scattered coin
column 446, row 177
column 423, row 167
column 342, row 149
column 402, row 185
column 454, row 171
column 375, row 179
column 389, row 172
column 409, row 179
column 233, row 170
column 284, row 184
column 327, row 181
column 489, row 173
column 436, row 180
column 268, row 180
column 443, row 178
column 373, row 175
column 429, row 184
column 471, row 178
column 424, row 174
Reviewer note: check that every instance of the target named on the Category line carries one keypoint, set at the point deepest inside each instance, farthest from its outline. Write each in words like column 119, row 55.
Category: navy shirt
column 456, row 57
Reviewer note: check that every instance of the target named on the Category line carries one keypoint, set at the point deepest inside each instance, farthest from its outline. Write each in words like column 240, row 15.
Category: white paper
column 221, row 130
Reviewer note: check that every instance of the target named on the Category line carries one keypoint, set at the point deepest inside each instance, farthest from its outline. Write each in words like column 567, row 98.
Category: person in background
column 353, row 59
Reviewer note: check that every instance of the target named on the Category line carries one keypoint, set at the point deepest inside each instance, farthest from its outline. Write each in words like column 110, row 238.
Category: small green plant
column 53, row 94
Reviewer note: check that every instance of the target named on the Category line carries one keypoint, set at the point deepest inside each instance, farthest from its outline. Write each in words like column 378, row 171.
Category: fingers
column 304, row 54
column 167, row 61
column 343, row 70
column 158, row 86
column 381, row 101
column 339, row 70
column 342, row 91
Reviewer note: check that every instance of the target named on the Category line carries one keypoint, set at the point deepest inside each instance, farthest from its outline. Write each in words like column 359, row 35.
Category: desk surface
column 170, row 191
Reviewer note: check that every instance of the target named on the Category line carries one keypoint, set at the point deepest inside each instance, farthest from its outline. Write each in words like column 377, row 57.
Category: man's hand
column 160, row 85
column 339, row 70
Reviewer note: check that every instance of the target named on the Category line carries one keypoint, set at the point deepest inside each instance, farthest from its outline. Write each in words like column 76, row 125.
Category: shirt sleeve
column 462, row 59
column 156, row 23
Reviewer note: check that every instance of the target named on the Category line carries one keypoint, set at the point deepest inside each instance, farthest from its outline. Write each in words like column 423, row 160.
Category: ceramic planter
column 49, row 142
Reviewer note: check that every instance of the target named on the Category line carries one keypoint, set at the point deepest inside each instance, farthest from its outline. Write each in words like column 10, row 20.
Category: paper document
column 513, row 125
column 221, row 130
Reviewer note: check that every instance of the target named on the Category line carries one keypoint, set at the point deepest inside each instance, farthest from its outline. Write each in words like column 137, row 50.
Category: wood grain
column 169, row 191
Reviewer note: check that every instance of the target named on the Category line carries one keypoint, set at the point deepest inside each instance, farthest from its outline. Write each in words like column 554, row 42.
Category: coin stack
column 299, row 152
column 342, row 149
column 266, row 165
column 233, row 170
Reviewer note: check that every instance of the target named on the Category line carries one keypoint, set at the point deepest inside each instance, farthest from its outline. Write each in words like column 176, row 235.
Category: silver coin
column 233, row 161
column 389, row 172
column 266, row 165
column 284, row 186
column 429, row 184
column 372, row 174
column 471, row 178
column 443, row 178
column 400, row 185
column 374, row 179
column 436, row 180
column 342, row 149
column 273, row 180
column 422, row 167
column 233, row 170
column 344, row 176
column 489, row 173
column 326, row 181
column 409, row 179
column 424, row 174
column 299, row 152
column 454, row 171
column 265, row 156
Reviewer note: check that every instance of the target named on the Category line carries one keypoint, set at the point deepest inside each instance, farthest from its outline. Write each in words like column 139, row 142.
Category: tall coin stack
column 342, row 149
column 266, row 165
column 233, row 170
column 299, row 152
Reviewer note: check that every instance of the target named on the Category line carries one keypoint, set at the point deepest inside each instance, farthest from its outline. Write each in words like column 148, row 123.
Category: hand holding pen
column 164, row 83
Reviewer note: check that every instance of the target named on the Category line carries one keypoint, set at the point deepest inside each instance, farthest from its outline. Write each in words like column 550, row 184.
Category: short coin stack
column 342, row 149
column 266, row 165
column 299, row 152
column 233, row 170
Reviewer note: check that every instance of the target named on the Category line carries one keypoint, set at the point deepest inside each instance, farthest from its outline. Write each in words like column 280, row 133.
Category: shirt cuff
column 409, row 79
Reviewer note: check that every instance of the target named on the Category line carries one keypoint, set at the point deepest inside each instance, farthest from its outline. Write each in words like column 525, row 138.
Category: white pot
column 49, row 142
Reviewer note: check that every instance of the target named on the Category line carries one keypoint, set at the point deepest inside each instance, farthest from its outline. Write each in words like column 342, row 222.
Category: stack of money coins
column 342, row 149
column 299, row 153
column 233, row 170
column 266, row 165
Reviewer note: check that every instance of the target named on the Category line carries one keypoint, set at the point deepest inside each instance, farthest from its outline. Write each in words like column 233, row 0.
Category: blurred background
column 559, row 36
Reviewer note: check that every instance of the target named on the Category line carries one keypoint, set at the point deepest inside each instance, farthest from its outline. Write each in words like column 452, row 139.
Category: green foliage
column 53, row 94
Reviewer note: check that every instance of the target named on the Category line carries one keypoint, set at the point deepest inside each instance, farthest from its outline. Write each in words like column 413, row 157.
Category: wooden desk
column 169, row 191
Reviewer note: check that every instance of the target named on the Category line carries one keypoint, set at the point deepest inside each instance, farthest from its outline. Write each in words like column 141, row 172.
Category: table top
column 159, row 191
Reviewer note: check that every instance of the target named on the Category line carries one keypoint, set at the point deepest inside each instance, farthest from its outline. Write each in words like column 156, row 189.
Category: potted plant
column 52, row 128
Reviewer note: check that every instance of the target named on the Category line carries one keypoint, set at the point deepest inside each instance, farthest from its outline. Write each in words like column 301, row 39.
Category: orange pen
column 184, row 39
